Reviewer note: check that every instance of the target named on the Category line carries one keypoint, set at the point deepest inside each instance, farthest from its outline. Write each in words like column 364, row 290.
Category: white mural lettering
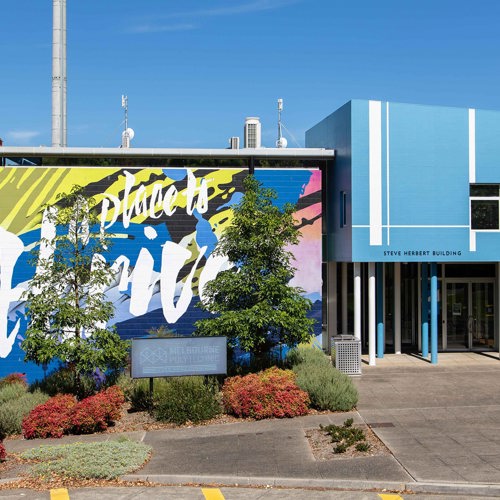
column 112, row 206
column 11, row 247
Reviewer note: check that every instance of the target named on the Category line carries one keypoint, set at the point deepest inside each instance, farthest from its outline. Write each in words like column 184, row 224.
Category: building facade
column 398, row 205
column 412, row 217
column 165, row 211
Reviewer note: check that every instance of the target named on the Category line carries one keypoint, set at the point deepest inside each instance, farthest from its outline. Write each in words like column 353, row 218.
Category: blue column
column 434, row 314
column 425, row 312
column 379, row 278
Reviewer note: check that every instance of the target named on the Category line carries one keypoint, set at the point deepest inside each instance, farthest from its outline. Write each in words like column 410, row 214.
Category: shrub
column 14, row 378
column 62, row 381
column 137, row 392
column 11, row 392
column 328, row 388
column 270, row 393
column 95, row 413
column 186, row 399
column 62, row 414
column 51, row 419
column 13, row 411
column 3, row 453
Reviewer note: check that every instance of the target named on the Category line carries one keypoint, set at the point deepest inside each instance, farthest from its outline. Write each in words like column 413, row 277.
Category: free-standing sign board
column 178, row 356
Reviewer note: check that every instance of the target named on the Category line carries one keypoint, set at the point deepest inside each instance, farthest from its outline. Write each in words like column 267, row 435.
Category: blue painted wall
column 425, row 182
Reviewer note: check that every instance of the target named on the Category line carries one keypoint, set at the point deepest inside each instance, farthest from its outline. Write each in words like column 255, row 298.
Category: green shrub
column 11, row 392
column 308, row 355
column 186, row 399
column 13, row 411
column 328, row 388
column 62, row 381
column 137, row 392
column 105, row 460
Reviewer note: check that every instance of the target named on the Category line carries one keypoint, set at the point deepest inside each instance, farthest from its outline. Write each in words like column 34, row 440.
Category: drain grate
column 380, row 424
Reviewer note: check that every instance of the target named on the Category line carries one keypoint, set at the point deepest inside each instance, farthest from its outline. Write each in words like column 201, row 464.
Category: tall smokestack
column 59, row 73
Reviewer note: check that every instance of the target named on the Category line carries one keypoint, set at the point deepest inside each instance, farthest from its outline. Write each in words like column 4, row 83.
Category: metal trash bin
column 346, row 350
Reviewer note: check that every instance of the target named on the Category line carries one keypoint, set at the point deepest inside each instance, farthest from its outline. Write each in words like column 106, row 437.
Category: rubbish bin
column 347, row 354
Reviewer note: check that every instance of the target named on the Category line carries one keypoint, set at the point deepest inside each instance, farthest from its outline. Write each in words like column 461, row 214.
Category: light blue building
column 412, row 239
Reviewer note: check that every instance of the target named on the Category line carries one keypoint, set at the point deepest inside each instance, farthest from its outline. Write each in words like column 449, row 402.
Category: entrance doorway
column 470, row 320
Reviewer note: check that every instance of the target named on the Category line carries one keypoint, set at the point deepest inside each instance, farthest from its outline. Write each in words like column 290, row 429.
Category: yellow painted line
column 59, row 494
column 388, row 496
column 212, row 494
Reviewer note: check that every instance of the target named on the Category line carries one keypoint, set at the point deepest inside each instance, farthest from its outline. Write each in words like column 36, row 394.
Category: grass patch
column 104, row 460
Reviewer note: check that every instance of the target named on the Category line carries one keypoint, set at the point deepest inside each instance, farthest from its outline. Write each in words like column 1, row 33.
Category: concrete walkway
column 441, row 424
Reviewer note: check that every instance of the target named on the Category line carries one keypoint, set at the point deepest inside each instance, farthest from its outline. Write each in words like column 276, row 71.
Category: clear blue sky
column 193, row 70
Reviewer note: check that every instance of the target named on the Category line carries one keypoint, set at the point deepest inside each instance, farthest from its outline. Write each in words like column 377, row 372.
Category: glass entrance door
column 469, row 315
column 482, row 317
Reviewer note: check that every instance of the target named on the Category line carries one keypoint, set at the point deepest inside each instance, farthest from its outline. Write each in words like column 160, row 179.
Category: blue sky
column 193, row 70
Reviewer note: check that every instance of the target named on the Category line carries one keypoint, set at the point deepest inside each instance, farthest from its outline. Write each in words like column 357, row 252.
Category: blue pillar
column 425, row 312
column 434, row 314
column 379, row 278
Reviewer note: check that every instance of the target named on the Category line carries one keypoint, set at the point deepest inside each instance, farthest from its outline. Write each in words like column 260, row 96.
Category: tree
column 253, row 303
column 65, row 300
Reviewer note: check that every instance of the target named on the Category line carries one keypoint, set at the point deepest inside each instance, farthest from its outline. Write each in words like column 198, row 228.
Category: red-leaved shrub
column 270, row 393
column 3, row 453
column 95, row 413
column 50, row 419
column 63, row 415
column 14, row 378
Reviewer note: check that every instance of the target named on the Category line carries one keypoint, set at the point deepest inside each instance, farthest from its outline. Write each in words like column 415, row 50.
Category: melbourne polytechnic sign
column 178, row 356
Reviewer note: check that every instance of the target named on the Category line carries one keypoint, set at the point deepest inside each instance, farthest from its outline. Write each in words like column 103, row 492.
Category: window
column 485, row 206
column 343, row 209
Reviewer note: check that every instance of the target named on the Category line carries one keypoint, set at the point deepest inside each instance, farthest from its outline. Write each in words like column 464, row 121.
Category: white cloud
column 151, row 28
column 255, row 6
column 21, row 136
column 229, row 10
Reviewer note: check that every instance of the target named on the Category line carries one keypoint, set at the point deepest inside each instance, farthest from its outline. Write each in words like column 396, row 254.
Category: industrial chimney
column 59, row 129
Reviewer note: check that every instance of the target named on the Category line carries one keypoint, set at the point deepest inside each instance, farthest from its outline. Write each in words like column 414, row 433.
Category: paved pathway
column 441, row 422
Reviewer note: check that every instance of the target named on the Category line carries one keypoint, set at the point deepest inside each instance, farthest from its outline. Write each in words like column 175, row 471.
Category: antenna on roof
column 128, row 133
column 281, row 142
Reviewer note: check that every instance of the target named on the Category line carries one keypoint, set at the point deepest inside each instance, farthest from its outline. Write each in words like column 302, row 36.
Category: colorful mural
column 164, row 224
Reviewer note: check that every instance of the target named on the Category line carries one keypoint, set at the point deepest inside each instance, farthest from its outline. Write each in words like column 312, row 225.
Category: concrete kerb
column 478, row 489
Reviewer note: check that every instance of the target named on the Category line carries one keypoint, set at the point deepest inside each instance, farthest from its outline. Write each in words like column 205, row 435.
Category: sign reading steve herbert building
column 178, row 356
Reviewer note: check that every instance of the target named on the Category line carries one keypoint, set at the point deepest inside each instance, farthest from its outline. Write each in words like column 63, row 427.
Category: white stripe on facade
column 472, row 241
column 361, row 226
column 472, row 145
column 375, row 170
column 387, row 170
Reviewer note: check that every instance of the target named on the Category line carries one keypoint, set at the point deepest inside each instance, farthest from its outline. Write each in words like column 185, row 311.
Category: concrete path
column 440, row 422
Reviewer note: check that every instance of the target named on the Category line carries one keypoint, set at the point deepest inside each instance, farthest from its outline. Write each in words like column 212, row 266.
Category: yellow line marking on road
column 59, row 494
column 389, row 496
column 212, row 494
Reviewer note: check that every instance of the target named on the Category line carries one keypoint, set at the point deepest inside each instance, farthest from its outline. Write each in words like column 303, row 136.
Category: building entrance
column 469, row 322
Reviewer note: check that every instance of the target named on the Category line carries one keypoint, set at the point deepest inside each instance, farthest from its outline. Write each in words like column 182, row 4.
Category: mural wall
column 164, row 224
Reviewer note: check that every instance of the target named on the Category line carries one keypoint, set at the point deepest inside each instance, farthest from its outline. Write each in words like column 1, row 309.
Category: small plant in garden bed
column 345, row 436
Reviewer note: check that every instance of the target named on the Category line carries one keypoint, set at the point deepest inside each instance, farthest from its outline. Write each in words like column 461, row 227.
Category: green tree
column 65, row 300
column 253, row 303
